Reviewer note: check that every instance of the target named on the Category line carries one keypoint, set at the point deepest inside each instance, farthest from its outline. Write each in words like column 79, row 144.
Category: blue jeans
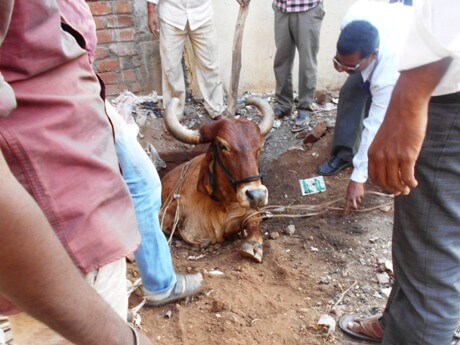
column 153, row 256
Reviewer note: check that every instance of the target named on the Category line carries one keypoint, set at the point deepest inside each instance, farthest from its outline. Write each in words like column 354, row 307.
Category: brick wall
column 119, row 55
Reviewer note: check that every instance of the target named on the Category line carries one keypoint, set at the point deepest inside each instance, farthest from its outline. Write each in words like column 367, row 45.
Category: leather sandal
column 370, row 328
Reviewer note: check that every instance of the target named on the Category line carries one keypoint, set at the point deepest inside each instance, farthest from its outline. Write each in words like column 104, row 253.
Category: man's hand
column 153, row 20
column 243, row 3
column 355, row 194
column 398, row 142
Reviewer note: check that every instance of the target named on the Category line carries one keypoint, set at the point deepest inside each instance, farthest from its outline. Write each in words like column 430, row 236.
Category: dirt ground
column 304, row 274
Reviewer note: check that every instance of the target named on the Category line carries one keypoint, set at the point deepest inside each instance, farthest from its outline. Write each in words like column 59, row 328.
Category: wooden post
column 236, row 59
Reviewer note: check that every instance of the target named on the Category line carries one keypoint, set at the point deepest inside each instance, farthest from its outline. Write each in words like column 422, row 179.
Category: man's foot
column 303, row 119
column 280, row 113
column 363, row 328
column 332, row 166
column 186, row 285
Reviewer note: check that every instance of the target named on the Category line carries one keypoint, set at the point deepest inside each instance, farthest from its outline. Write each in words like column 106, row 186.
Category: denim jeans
column 153, row 257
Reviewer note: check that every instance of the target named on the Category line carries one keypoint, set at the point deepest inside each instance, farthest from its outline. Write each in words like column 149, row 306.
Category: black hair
column 358, row 36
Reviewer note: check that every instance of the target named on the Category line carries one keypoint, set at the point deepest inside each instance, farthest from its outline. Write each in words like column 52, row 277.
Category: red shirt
column 58, row 142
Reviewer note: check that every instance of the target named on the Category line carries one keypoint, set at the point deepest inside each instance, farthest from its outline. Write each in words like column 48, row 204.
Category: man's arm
column 152, row 18
column 380, row 98
column 397, row 144
column 37, row 275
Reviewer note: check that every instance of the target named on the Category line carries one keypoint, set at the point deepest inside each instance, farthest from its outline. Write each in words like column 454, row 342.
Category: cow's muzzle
column 253, row 195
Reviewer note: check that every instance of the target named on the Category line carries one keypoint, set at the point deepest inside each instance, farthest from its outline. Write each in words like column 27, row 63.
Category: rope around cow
column 269, row 211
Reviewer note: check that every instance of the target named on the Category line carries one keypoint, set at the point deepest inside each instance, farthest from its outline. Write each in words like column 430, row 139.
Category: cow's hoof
column 253, row 250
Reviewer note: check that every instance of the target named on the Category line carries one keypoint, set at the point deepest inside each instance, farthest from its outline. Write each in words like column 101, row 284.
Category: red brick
column 125, row 21
column 104, row 36
column 115, row 89
column 123, row 49
column 126, row 34
column 128, row 75
column 119, row 21
column 108, row 65
column 100, row 8
column 123, row 7
column 100, row 23
column 110, row 77
column 135, row 87
column 101, row 53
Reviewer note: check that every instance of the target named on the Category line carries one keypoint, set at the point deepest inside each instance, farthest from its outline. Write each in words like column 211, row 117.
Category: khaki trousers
column 109, row 282
column 204, row 44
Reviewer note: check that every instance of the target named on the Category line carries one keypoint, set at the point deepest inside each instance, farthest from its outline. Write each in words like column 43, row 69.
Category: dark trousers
column 424, row 306
column 301, row 31
column 353, row 108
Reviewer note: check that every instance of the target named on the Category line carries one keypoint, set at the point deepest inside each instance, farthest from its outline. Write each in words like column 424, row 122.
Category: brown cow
column 210, row 197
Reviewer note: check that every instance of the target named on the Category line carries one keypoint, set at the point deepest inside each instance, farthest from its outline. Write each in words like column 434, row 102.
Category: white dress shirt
column 178, row 12
column 392, row 22
column 435, row 34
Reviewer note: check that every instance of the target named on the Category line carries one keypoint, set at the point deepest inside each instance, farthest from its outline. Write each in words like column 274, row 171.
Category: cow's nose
column 256, row 197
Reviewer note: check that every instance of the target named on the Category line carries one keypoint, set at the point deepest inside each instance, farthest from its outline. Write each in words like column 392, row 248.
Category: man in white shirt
column 181, row 19
column 416, row 155
column 367, row 49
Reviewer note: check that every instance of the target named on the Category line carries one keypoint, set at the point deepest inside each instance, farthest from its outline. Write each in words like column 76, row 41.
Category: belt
column 451, row 98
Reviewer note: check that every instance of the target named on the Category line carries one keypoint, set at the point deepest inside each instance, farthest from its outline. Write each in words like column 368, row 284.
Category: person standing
column 57, row 147
column 297, row 27
column 161, row 284
column 193, row 19
column 416, row 156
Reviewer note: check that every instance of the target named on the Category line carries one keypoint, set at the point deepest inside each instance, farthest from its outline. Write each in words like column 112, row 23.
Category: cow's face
column 230, row 167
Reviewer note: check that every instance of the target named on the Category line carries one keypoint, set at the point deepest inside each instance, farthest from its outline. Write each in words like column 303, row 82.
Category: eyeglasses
column 342, row 68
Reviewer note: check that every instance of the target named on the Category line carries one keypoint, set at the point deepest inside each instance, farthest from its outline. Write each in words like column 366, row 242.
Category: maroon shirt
column 58, row 142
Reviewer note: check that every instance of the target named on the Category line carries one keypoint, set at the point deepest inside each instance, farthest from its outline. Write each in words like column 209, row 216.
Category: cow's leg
column 253, row 246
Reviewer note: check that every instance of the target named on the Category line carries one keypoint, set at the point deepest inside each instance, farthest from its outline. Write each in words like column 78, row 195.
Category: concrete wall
column 128, row 56
column 259, row 47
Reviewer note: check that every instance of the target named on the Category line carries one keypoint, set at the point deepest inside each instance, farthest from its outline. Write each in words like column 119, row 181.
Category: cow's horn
column 174, row 127
column 267, row 114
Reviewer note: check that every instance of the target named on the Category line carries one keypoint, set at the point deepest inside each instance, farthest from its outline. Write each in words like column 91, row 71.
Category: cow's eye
column 222, row 147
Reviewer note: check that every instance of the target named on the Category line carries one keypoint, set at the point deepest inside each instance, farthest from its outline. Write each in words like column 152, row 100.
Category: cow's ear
column 209, row 130
column 205, row 177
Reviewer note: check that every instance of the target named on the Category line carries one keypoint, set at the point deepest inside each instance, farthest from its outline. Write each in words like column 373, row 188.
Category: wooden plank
column 236, row 59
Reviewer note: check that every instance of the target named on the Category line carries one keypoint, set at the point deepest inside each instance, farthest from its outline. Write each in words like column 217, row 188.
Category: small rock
column 373, row 239
column 325, row 280
column 327, row 321
column 314, row 249
column 168, row 314
column 386, row 292
column 276, row 123
column 218, row 306
column 319, row 303
column 274, row 235
column 383, row 278
column 290, row 230
column 388, row 265
column 385, row 209
column 215, row 273
column 304, row 310
column 377, row 295
column 310, row 238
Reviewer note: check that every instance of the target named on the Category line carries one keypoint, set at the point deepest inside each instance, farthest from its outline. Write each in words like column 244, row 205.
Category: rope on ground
column 305, row 210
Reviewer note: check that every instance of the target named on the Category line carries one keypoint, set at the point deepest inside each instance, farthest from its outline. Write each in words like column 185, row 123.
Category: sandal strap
column 371, row 327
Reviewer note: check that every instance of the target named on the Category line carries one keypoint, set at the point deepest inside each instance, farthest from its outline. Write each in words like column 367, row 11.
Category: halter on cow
column 220, row 188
